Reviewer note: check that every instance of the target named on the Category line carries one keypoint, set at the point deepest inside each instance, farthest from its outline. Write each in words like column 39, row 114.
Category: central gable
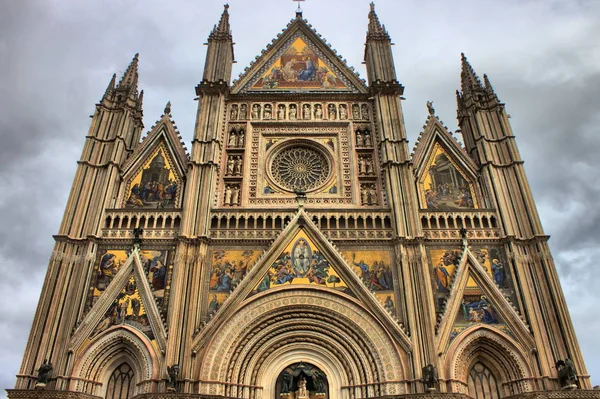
column 299, row 61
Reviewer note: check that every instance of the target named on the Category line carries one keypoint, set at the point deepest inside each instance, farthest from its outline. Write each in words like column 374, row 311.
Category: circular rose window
column 300, row 168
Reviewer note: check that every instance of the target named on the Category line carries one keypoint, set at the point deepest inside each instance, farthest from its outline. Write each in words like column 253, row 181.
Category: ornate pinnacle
column 111, row 84
column 469, row 79
column 130, row 77
column 223, row 29
column 376, row 30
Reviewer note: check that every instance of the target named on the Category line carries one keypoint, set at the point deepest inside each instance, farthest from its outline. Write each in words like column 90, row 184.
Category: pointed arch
column 293, row 323
column 96, row 362
column 507, row 360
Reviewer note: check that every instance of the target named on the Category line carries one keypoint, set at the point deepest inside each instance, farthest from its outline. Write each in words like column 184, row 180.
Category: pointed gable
column 445, row 174
column 474, row 297
column 160, row 160
column 127, row 298
column 299, row 60
column 300, row 240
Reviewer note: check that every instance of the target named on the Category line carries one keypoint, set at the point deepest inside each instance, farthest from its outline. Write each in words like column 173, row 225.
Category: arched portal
column 301, row 381
column 322, row 327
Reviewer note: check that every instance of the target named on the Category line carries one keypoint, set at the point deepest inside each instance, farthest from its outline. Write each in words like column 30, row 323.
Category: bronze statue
column 286, row 382
column 567, row 375
column 44, row 372
column 137, row 236
column 429, row 377
column 318, row 379
column 173, row 372
column 430, row 108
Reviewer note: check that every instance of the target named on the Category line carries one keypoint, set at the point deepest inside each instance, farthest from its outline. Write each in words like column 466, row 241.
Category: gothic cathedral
column 300, row 250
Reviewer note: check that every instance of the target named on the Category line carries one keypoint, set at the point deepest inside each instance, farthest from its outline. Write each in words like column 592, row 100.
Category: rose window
column 300, row 168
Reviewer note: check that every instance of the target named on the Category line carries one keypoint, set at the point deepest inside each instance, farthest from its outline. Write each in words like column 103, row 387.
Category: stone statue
column 173, row 372
column 364, row 196
column 367, row 137
column 267, row 113
column 293, row 111
column 230, row 166
column 362, row 165
column 306, row 111
column 343, row 112
column 429, row 377
column 281, row 112
column 243, row 111
column 255, row 111
column 318, row 112
column 355, row 112
column 234, row 112
column 232, row 138
column 430, row 108
column 364, row 112
column 236, row 195
column 286, row 382
column 240, row 141
column 318, row 379
column 369, row 166
column 238, row 166
column 359, row 139
column 44, row 373
column 228, row 194
column 332, row 112
column 567, row 374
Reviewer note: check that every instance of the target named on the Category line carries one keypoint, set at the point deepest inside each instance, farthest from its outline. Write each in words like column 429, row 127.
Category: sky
column 57, row 57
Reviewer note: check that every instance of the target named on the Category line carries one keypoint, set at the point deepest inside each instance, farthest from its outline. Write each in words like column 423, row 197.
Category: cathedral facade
column 300, row 250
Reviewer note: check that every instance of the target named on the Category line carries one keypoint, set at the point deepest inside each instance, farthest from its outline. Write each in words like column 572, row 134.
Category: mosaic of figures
column 301, row 263
column 443, row 186
column 298, row 111
column 158, row 269
column 228, row 268
column 375, row 269
column 128, row 309
column 156, row 185
column 299, row 68
column 475, row 307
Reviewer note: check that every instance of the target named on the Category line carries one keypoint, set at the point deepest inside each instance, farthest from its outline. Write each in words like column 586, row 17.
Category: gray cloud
column 56, row 58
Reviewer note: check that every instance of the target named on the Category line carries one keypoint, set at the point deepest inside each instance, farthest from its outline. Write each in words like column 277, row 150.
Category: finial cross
column 298, row 1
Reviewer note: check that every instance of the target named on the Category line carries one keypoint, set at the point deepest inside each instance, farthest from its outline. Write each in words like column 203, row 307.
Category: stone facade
column 300, row 245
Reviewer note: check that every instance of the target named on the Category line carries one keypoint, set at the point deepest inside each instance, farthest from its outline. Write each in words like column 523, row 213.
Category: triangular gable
column 162, row 147
column 299, row 60
column 437, row 153
column 299, row 227
column 471, row 280
column 301, row 263
column 128, row 286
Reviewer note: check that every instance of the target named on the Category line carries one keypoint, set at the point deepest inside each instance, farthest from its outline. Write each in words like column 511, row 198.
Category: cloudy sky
column 56, row 58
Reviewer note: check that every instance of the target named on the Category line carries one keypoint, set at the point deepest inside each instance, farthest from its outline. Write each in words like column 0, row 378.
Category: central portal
column 302, row 381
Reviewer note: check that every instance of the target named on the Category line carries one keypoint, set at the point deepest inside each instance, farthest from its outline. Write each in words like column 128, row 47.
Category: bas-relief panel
column 301, row 263
column 475, row 307
column 228, row 268
column 375, row 269
column 158, row 269
column 155, row 185
column 443, row 186
column 299, row 68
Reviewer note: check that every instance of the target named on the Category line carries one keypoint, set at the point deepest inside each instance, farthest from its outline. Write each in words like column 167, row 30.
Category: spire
column 111, row 84
column 130, row 77
column 223, row 29
column 376, row 30
column 468, row 77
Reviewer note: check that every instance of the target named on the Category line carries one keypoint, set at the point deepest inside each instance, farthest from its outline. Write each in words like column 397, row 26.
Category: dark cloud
column 56, row 58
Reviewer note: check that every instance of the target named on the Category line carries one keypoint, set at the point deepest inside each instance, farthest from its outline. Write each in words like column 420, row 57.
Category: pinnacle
column 223, row 28
column 130, row 77
column 469, row 79
column 376, row 29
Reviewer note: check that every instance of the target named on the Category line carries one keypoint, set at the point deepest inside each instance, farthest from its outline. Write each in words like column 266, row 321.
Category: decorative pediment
column 127, row 299
column 299, row 60
column 154, row 174
column 301, row 255
column 445, row 174
column 475, row 296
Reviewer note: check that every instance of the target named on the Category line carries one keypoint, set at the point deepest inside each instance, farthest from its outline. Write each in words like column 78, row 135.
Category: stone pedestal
column 40, row 385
